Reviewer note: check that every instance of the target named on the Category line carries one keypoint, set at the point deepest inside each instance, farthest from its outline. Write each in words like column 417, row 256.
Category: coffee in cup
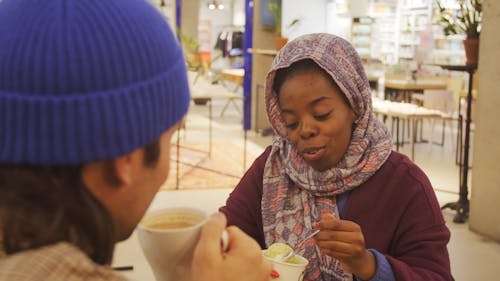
column 168, row 238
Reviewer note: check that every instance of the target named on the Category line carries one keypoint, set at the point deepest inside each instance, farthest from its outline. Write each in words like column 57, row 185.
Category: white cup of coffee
column 168, row 238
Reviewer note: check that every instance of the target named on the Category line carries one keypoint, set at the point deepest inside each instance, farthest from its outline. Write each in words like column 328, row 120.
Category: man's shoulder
column 61, row 261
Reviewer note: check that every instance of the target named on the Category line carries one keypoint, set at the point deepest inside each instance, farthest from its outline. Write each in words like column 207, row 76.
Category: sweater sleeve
column 419, row 245
column 384, row 270
column 405, row 222
column 243, row 207
column 422, row 236
column 421, row 252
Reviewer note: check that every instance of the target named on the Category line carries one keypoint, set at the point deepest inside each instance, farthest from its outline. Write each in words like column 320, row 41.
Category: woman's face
column 317, row 119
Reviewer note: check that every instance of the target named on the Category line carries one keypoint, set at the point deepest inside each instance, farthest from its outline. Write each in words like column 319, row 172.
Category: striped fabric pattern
column 58, row 262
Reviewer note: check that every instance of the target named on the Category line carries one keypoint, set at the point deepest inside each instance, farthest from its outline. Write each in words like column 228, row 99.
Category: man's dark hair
column 43, row 205
column 151, row 154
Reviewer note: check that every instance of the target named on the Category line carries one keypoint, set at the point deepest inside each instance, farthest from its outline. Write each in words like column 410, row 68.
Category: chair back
column 442, row 100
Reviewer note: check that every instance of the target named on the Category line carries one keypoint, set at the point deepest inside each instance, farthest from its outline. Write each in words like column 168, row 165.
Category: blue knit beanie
column 86, row 80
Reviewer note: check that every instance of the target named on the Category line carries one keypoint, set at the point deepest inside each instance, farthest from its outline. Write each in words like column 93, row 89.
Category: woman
column 331, row 167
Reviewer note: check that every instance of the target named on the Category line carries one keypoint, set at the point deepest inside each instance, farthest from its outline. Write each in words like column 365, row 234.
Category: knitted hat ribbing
column 84, row 80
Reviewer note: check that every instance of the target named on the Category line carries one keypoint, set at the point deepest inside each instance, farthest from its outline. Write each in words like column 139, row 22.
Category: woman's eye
column 291, row 126
column 322, row 116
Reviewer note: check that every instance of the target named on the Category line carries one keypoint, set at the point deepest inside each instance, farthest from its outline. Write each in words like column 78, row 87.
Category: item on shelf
column 384, row 35
column 415, row 17
column 361, row 36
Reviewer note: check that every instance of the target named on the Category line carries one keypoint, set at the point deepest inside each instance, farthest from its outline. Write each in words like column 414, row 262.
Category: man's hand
column 242, row 261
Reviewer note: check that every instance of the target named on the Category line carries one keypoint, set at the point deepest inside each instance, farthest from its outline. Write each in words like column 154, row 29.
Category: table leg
column 397, row 133
column 413, row 124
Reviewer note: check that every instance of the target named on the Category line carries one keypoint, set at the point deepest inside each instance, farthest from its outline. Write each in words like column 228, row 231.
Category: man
column 91, row 92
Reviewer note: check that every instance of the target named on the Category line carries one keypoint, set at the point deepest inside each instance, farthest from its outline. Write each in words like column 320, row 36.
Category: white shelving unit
column 396, row 28
column 384, row 30
column 361, row 36
column 414, row 17
column 384, row 36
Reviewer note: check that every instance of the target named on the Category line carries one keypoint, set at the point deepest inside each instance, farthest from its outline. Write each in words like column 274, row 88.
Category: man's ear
column 120, row 170
column 124, row 167
column 107, row 178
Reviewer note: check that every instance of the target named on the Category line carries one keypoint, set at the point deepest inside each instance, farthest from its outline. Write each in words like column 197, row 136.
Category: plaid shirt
column 61, row 261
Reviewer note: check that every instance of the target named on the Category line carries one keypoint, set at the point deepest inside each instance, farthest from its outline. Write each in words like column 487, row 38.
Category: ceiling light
column 212, row 5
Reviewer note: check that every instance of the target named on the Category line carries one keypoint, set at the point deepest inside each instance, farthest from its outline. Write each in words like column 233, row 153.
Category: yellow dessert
column 293, row 259
column 277, row 251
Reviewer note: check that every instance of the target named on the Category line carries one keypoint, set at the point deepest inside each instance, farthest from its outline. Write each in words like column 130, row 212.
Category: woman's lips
column 313, row 154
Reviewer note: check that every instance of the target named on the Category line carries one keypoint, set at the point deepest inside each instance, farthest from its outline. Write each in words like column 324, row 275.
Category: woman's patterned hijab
column 294, row 194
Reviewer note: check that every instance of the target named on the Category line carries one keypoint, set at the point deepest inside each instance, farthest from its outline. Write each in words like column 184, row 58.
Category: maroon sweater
column 396, row 208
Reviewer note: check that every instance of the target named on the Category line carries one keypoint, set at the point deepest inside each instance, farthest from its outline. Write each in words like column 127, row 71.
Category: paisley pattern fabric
column 294, row 194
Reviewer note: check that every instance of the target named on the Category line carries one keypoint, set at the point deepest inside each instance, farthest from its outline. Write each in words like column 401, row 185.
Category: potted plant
column 464, row 20
column 191, row 48
column 275, row 9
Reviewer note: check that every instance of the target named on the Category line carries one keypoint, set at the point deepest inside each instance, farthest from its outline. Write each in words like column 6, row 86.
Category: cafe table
column 404, row 111
column 234, row 75
column 405, row 87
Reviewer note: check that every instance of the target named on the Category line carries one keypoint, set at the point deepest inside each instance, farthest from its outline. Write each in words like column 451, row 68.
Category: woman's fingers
column 340, row 238
column 328, row 221
column 349, row 237
column 340, row 249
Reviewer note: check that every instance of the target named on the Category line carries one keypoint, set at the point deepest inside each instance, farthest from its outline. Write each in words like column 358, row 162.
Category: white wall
column 359, row 8
column 239, row 12
column 232, row 14
column 217, row 19
column 312, row 15
column 485, row 189
column 337, row 22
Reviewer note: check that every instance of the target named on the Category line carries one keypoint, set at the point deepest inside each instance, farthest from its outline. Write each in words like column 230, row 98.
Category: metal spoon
column 224, row 241
column 299, row 246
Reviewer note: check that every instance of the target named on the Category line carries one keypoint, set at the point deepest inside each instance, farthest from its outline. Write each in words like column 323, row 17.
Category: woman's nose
column 307, row 130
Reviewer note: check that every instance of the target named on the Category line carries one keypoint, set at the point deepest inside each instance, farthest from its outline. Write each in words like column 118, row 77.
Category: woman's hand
column 344, row 241
column 242, row 261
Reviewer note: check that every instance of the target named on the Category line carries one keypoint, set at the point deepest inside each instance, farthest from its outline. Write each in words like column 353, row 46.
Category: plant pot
column 471, row 46
column 280, row 42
